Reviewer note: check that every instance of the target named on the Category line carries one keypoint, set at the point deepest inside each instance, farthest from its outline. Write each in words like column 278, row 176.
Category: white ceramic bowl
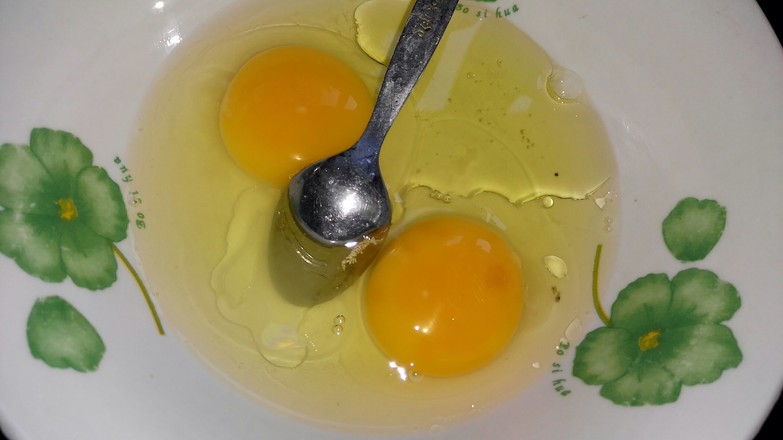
column 691, row 94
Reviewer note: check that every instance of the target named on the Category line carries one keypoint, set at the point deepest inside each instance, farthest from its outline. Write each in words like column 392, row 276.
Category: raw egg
column 290, row 106
column 445, row 296
column 493, row 179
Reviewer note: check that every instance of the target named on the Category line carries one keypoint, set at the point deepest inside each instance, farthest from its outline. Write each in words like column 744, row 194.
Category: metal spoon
column 336, row 213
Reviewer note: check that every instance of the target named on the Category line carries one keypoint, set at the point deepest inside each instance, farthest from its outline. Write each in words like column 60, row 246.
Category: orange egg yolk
column 445, row 297
column 291, row 106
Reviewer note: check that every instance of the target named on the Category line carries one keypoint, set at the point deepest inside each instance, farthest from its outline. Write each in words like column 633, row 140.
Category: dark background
column 774, row 417
column 777, row 411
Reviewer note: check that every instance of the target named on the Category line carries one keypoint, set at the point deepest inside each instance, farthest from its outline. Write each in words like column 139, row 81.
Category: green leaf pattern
column 62, row 337
column 693, row 228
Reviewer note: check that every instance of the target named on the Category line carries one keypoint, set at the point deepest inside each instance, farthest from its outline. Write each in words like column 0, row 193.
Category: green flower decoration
column 60, row 216
column 663, row 334
column 61, row 213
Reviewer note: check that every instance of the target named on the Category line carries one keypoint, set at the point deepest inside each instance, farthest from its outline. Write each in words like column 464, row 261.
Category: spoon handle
column 418, row 40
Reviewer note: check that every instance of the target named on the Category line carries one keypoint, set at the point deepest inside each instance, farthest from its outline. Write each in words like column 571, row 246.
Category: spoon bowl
column 341, row 198
column 335, row 213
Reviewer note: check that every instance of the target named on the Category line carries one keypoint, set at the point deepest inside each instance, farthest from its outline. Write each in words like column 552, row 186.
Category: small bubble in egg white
column 547, row 202
column 556, row 266
column 564, row 85
column 536, row 365
column 282, row 346
column 437, row 195
column 609, row 197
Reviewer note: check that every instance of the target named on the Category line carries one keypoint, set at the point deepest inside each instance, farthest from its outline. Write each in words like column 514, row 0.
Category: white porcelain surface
column 692, row 97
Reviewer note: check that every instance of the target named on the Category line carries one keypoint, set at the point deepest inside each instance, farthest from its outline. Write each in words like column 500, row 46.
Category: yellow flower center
column 649, row 340
column 67, row 210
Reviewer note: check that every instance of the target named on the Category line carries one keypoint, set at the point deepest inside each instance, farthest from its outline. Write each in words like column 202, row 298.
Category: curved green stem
column 143, row 289
column 596, row 301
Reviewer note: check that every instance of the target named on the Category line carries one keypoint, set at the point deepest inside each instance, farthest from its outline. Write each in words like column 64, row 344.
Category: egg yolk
column 445, row 297
column 291, row 106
